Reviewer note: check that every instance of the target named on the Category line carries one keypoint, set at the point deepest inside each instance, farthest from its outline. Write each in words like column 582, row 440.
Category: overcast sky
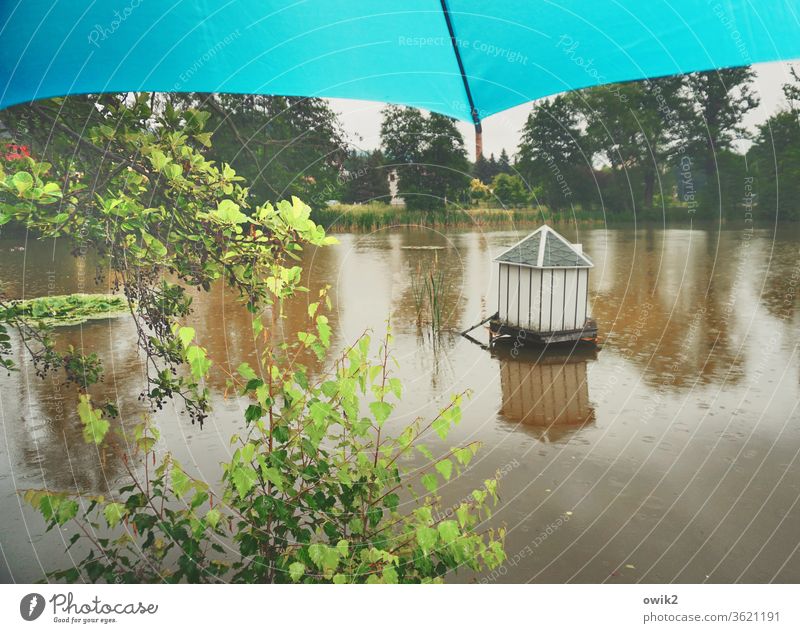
column 362, row 119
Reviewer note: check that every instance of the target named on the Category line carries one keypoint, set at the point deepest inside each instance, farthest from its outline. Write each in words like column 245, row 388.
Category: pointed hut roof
column 545, row 248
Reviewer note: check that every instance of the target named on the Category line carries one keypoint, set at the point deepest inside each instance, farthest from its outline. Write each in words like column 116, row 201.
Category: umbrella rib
column 476, row 119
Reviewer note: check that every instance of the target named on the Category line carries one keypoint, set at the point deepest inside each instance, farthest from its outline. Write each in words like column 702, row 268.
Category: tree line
column 619, row 150
column 616, row 150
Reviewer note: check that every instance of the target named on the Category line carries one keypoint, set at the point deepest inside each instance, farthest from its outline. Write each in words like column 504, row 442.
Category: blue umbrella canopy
column 465, row 58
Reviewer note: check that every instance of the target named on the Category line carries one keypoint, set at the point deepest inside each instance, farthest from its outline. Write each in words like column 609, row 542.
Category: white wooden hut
column 544, row 290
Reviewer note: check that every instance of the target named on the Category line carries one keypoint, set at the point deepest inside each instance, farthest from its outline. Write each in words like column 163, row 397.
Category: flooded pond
column 669, row 455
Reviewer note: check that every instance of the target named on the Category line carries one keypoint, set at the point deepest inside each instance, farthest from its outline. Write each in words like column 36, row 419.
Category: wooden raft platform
column 500, row 330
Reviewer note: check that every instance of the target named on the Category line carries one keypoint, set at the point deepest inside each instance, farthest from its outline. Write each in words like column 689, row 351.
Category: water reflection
column 685, row 424
column 48, row 433
column 547, row 393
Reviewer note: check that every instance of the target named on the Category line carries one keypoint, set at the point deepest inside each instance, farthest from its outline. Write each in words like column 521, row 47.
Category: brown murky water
column 672, row 454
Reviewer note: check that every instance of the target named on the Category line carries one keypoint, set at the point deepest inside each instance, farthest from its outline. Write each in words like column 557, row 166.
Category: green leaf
column 319, row 412
column 274, row 476
column 204, row 138
column 228, row 212
column 57, row 508
column 94, row 426
column 426, row 538
column 244, row 478
column 198, row 362
column 462, row 514
column 316, row 552
column 258, row 326
column 324, row 330
column 186, row 336
column 445, row 468
column 296, row 571
column 67, row 509
column 154, row 245
column 246, row 372
column 23, row 181
column 180, row 481
column 113, row 513
column 430, row 482
column 159, row 160
column 212, row 517
column 53, row 189
column 442, row 426
column 324, row 557
column 389, row 575
column 381, row 411
column 464, row 455
column 247, row 452
column 448, row 531
column 173, row 171
column 396, row 387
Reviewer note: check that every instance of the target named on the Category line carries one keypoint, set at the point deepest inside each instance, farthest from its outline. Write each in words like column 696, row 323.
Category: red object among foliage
column 17, row 152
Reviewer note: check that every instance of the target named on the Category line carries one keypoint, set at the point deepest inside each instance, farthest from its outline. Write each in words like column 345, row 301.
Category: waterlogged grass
column 60, row 310
column 368, row 217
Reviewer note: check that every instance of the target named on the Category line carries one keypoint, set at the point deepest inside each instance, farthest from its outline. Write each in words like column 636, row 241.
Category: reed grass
column 428, row 290
column 370, row 217
column 418, row 294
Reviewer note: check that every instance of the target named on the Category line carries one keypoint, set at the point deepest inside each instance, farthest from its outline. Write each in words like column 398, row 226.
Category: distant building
column 395, row 200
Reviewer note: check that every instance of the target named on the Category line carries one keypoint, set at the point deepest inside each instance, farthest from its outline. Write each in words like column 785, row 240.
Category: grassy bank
column 369, row 217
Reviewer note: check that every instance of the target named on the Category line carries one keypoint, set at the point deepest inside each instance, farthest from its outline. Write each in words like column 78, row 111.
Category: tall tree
column 445, row 158
column 719, row 100
column 774, row 159
column 429, row 155
column 365, row 178
column 636, row 128
column 549, row 155
column 283, row 145
column 482, row 170
column 504, row 162
column 509, row 190
column 492, row 168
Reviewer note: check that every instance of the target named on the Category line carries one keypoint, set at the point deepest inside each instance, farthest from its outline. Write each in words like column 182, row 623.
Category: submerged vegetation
column 62, row 310
column 316, row 490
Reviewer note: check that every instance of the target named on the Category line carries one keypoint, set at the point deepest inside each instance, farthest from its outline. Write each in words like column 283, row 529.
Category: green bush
column 316, row 490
